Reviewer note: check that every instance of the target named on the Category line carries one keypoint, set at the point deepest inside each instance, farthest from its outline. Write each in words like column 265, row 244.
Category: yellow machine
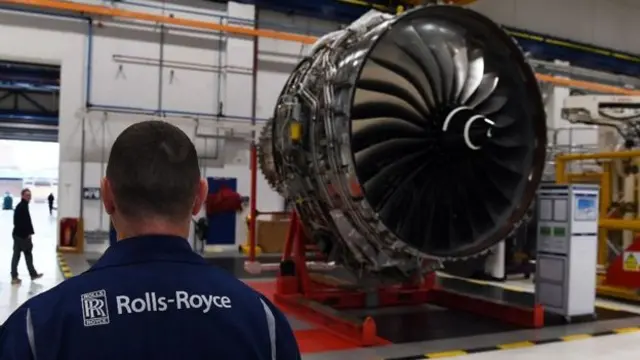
column 615, row 171
column 618, row 207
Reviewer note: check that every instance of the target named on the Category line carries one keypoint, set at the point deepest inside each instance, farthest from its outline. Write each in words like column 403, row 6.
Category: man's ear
column 106, row 193
column 201, row 197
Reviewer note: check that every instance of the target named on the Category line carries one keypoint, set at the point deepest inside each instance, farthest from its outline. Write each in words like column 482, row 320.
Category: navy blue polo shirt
column 149, row 297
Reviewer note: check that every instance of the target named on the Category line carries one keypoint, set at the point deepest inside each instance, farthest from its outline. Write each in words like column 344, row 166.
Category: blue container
column 7, row 203
column 222, row 227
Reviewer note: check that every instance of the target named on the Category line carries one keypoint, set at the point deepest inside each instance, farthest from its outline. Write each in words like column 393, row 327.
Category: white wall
column 200, row 71
column 607, row 23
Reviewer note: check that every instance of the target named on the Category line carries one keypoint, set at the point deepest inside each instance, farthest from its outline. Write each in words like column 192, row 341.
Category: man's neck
column 148, row 228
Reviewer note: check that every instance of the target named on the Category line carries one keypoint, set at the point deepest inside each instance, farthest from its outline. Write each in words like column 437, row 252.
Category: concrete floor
column 520, row 344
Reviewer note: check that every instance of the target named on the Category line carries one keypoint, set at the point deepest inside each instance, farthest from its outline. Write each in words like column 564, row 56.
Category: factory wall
column 116, row 73
column 607, row 23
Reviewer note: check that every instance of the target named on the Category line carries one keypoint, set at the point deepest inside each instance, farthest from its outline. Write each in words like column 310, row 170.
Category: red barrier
column 71, row 236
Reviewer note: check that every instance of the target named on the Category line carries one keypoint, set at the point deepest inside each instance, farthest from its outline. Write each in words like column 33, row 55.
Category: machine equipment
column 403, row 141
column 408, row 140
column 619, row 112
column 615, row 169
column 566, row 250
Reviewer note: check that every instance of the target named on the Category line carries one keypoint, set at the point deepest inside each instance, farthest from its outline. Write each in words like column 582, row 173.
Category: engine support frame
column 320, row 301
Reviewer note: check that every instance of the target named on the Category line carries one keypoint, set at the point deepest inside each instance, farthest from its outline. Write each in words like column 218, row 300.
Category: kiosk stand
column 567, row 249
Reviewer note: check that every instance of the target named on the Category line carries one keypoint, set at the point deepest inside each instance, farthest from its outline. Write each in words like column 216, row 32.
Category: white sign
column 182, row 301
column 91, row 193
column 95, row 306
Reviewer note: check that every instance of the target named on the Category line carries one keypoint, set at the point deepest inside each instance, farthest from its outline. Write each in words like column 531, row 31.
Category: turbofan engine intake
column 407, row 140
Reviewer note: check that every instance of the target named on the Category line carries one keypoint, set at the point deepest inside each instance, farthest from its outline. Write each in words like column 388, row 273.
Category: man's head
column 25, row 194
column 153, row 182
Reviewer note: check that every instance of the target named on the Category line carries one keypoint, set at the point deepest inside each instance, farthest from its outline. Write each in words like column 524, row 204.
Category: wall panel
column 116, row 79
column 191, row 79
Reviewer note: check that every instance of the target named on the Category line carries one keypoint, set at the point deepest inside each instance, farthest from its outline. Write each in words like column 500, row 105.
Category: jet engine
column 404, row 141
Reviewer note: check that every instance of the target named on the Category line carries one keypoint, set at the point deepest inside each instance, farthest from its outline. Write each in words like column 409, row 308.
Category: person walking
column 22, row 238
column 50, row 199
column 150, row 296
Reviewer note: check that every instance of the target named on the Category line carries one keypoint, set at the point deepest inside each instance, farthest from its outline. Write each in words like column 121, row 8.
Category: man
column 22, row 232
column 150, row 296
column 50, row 199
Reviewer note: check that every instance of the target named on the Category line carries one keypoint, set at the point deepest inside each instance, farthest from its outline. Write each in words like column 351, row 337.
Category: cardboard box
column 271, row 235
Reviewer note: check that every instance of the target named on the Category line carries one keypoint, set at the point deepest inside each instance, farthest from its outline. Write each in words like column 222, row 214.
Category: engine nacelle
column 407, row 140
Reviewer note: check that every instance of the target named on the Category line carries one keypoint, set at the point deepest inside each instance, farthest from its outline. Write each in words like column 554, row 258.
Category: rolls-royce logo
column 94, row 308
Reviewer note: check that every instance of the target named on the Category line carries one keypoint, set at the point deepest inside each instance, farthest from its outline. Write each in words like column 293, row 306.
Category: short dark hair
column 153, row 170
column 24, row 191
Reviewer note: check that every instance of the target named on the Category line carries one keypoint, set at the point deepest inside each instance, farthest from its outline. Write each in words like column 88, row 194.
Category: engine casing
column 449, row 63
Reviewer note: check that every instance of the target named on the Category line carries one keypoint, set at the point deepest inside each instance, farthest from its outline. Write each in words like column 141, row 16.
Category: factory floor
column 416, row 333
column 44, row 259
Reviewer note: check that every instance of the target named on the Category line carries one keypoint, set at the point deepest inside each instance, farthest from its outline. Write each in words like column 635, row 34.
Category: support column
column 238, row 96
column 238, row 79
column 239, row 64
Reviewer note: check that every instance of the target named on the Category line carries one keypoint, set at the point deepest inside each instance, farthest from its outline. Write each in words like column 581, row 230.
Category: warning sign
column 631, row 261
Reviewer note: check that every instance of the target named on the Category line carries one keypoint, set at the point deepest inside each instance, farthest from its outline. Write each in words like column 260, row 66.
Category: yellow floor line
column 445, row 354
column 64, row 267
column 608, row 306
column 626, row 330
column 516, row 345
column 513, row 288
column 576, row 337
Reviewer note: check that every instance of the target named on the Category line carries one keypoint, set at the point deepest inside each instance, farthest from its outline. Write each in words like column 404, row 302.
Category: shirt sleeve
column 283, row 341
column 16, row 336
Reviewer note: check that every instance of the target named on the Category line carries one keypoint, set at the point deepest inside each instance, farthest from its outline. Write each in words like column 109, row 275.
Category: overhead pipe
column 176, row 113
column 230, row 19
column 97, row 10
column 83, row 140
column 89, row 64
column 173, row 64
column 46, row 13
column 253, row 190
column 219, row 104
column 103, row 161
column 161, row 68
column 607, row 89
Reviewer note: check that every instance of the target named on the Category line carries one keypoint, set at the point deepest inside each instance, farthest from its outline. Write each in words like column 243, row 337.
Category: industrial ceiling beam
column 98, row 10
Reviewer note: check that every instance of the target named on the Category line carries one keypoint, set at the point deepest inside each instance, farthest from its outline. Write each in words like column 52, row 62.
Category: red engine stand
column 319, row 302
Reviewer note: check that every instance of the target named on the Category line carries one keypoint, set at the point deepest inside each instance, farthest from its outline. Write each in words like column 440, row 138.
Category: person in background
column 150, row 296
column 22, row 238
column 50, row 199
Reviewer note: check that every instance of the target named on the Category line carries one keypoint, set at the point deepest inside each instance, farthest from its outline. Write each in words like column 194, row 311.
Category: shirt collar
column 150, row 248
